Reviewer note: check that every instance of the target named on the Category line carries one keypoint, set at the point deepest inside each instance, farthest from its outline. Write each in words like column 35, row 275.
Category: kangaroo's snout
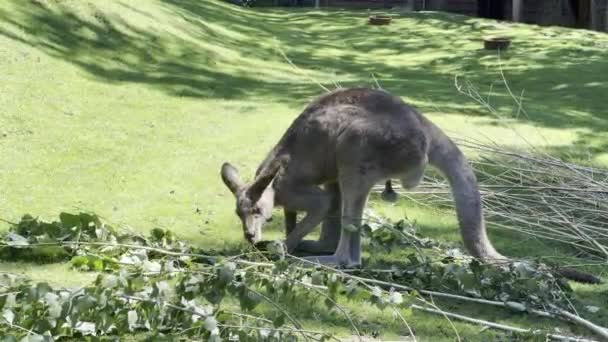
column 250, row 237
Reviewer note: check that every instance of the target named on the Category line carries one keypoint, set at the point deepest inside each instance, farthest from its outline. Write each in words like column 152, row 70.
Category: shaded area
column 216, row 51
column 220, row 52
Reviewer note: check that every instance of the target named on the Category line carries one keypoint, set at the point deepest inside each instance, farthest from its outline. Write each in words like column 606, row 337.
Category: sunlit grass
column 128, row 111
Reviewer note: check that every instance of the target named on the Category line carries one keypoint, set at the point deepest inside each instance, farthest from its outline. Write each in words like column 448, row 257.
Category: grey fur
column 331, row 156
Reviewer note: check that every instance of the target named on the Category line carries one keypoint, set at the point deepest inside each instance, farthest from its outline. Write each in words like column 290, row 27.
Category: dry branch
column 499, row 326
column 540, row 196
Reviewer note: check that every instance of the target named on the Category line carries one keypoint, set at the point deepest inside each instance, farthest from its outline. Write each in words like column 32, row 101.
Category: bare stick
column 499, row 326
column 600, row 331
column 296, row 68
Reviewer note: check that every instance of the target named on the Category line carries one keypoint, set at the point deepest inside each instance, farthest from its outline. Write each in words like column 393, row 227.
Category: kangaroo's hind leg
column 414, row 175
column 354, row 189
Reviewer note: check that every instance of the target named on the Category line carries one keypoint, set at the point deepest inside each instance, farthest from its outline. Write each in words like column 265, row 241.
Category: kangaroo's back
column 373, row 102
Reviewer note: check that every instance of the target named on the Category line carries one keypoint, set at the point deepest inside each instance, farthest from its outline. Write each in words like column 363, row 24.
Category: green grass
column 128, row 110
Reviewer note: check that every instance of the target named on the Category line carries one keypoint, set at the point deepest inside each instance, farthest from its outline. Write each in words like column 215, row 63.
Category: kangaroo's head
column 253, row 203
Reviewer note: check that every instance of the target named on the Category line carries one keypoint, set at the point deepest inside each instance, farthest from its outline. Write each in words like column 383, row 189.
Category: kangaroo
column 331, row 156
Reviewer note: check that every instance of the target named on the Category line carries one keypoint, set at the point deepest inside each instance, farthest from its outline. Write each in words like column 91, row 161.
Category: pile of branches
column 535, row 194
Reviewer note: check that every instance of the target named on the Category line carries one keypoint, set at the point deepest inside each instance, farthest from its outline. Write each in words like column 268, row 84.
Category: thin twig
column 499, row 326
column 294, row 321
column 296, row 68
column 600, row 331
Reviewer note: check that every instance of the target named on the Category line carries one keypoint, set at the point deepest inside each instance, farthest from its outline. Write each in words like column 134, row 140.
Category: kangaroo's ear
column 231, row 178
column 255, row 191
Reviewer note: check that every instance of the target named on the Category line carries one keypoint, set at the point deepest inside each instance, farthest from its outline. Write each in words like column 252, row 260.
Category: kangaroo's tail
column 447, row 157
column 578, row 276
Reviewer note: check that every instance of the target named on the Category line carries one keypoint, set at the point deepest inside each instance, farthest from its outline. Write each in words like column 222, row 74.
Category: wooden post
column 316, row 3
column 594, row 11
column 599, row 15
column 605, row 28
column 517, row 10
column 436, row 5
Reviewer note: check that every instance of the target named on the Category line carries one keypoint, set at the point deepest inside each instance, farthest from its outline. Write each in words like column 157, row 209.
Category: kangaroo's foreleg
column 290, row 221
column 312, row 200
column 330, row 230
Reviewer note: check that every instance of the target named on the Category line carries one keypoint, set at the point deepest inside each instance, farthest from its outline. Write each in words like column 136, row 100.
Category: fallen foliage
column 165, row 288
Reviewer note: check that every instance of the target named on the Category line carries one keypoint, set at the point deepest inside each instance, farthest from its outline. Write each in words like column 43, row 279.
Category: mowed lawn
column 128, row 109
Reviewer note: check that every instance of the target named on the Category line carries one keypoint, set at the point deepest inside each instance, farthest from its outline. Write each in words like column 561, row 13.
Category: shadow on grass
column 203, row 59
column 215, row 50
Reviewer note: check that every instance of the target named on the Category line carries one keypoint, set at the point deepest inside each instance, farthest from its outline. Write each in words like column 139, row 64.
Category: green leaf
column 152, row 266
column 226, row 273
column 16, row 240
column 79, row 261
column 210, row 324
column 54, row 231
column 524, row 269
column 352, row 289
column 109, row 281
column 395, row 298
column 318, row 278
column 333, row 285
column 329, row 303
column 137, row 283
column 42, row 289
column 11, row 300
column 249, row 300
column 279, row 320
column 376, row 291
column 96, row 264
column 351, row 228
column 8, row 315
column 85, row 328
column 214, row 337
column 69, row 220
column 468, row 281
column 132, row 318
column 157, row 234
column 35, row 338
column 280, row 266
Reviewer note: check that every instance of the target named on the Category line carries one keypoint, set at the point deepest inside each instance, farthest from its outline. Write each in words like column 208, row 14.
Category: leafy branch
column 162, row 286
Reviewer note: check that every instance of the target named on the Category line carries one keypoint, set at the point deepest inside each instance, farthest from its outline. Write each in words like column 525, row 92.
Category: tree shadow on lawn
column 222, row 48
column 205, row 64
column 347, row 46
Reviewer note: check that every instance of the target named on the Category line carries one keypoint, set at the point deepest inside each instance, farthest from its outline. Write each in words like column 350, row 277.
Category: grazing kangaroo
column 331, row 156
